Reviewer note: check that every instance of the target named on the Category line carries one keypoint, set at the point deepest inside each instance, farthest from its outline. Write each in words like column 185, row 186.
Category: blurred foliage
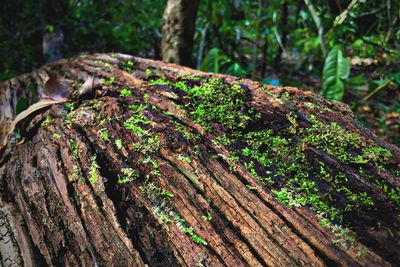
column 132, row 27
column 275, row 42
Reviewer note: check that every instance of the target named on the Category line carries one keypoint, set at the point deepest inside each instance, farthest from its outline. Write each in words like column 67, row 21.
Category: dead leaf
column 54, row 89
column 43, row 103
column 89, row 86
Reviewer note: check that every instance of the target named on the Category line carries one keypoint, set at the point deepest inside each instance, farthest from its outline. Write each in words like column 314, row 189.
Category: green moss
column 133, row 124
column 104, row 65
column 93, row 170
column 148, row 145
column 76, row 174
column 129, row 65
column 281, row 159
column 127, row 175
column 223, row 140
column 162, row 210
column 375, row 153
column 69, row 106
column 48, row 121
column 108, row 81
column 215, row 101
column 154, row 164
column 186, row 132
column 184, row 158
column 207, row 217
column 331, row 138
column 103, row 133
column 137, row 108
column 394, row 196
column 154, row 193
column 188, row 230
column 282, row 156
column 189, row 76
column 339, row 142
column 161, row 81
column 125, row 92
column 74, row 148
column 119, row 143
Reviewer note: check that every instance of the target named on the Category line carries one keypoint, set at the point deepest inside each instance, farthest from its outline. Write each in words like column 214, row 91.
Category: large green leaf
column 216, row 61
column 336, row 69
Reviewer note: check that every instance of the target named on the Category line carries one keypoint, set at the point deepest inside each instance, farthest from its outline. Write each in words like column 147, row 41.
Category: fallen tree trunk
column 163, row 165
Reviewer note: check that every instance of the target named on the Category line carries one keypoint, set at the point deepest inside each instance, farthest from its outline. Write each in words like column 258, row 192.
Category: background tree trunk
column 178, row 31
column 165, row 166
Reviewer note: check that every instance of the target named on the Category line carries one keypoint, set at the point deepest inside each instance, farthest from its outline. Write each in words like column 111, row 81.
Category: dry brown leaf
column 89, row 86
column 44, row 103
column 54, row 89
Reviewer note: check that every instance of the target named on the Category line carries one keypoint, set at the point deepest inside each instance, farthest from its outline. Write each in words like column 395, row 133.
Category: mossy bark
column 167, row 166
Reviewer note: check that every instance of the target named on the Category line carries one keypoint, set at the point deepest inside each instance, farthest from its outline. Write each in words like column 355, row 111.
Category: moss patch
column 282, row 160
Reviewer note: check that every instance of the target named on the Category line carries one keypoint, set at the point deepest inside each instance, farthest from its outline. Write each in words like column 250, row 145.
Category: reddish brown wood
column 53, row 215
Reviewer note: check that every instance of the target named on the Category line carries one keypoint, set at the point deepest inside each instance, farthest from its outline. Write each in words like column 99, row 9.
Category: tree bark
column 178, row 31
column 167, row 166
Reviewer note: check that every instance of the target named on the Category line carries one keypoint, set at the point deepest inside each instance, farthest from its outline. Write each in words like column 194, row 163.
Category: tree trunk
column 167, row 166
column 178, row 31
column 284, row 32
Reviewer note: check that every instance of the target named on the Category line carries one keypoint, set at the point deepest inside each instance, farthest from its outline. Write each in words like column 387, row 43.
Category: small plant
column 223, row 140
column 127, row 175
column 102, row 122
column 394, row 196
column 125, row 92
column 184, row 158
column 74, row 148
column 250, row 187
column 108, row 81
column 131, row 124
column 207, row 217
column 93, row 171
column 137, row 108
column 49, row 120
column 76, row 174
column 154, row 165
column 150, row 145
column 180, row 222
column 183, row 130
column 69, row 106
column 129, row 65
column 103, row 133
column 167, row 194
column 119, row 143
column 362, row 252
column 168, row 113
column 56, row 135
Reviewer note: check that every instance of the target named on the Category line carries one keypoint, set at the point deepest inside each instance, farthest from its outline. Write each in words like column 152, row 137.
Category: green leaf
column 236, row 70
column 210, row 62
column 395, row 77
column 336, row 69
column 33, row 90
column 22, row 104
